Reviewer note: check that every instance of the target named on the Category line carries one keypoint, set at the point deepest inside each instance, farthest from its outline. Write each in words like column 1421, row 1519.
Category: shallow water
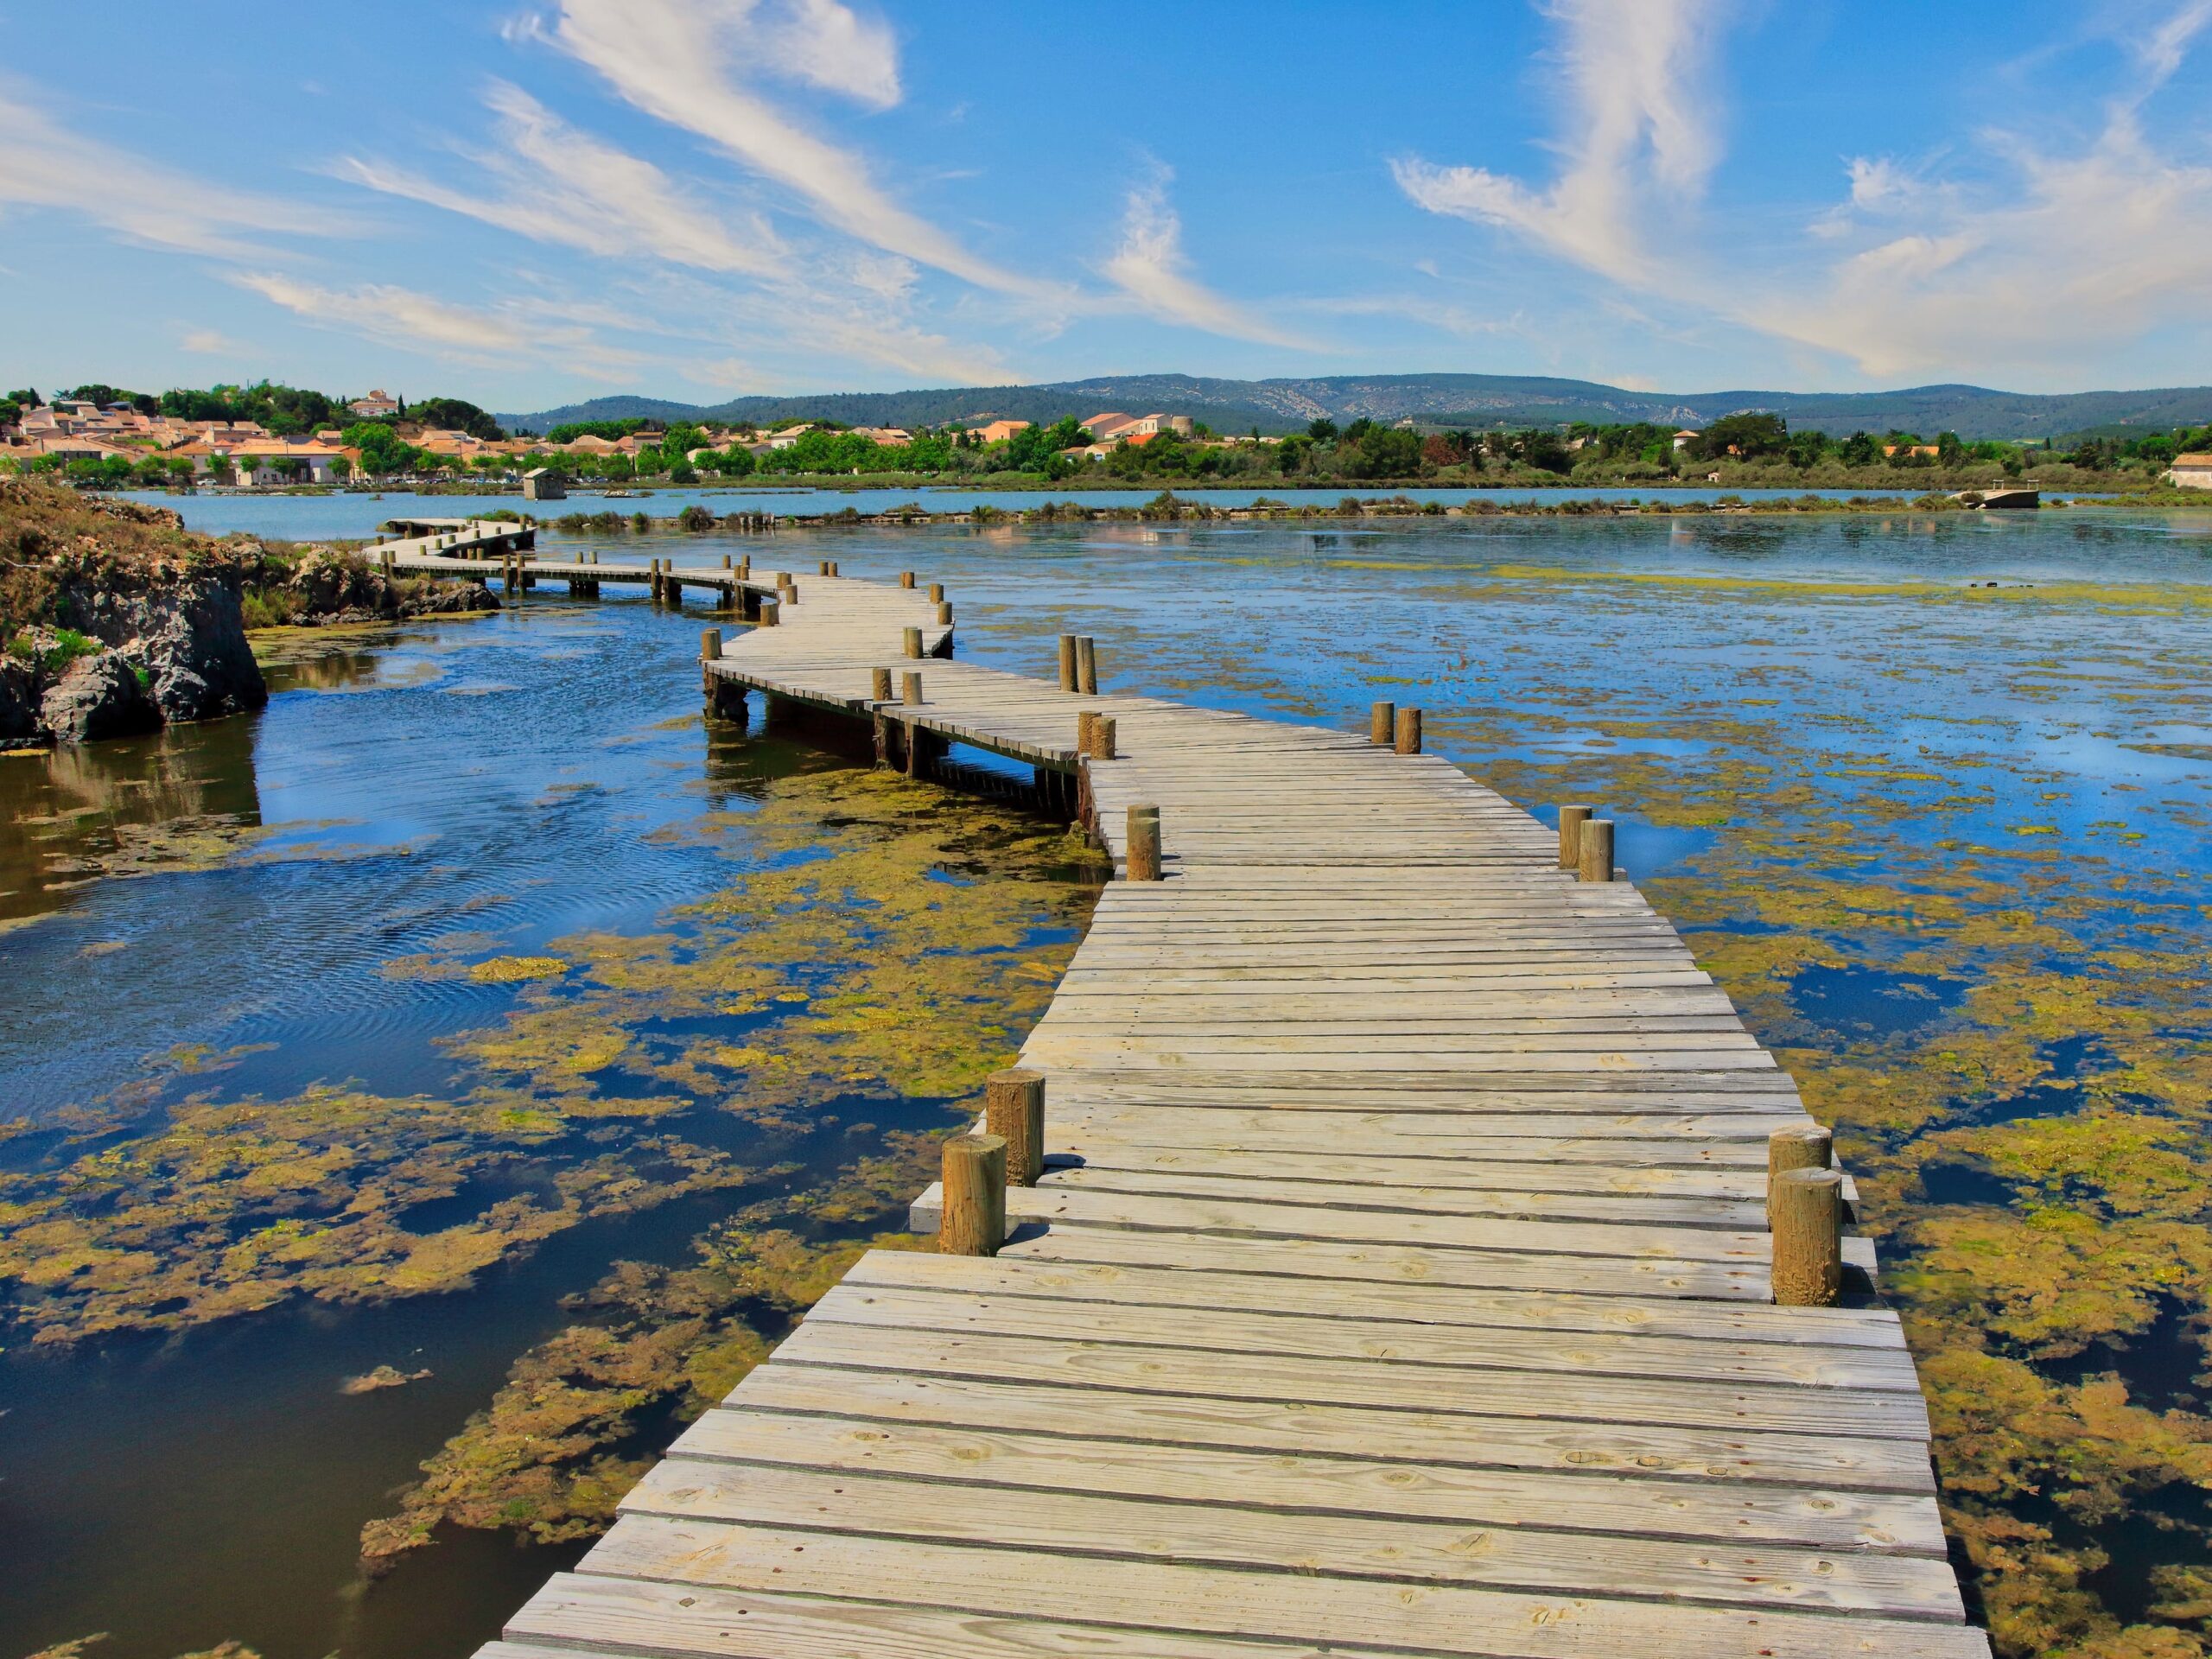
column 1941, row 840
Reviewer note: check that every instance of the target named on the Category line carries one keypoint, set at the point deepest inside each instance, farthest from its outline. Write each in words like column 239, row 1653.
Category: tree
column 1750, row 434
column 1950, row 450
column 453, row 415
column 1321, row 429
column 1860, row 450
column 736, row 461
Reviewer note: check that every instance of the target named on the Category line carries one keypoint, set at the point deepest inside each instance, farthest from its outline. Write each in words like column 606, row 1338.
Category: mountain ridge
column 1471, row 400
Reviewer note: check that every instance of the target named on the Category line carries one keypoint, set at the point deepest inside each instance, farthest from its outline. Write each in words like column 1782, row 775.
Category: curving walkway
column 1397, row 1283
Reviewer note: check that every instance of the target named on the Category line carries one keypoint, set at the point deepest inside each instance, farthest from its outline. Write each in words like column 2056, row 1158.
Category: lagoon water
column 1941, row 839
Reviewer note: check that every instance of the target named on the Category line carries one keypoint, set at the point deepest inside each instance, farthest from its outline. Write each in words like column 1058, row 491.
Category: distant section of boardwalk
column 1397, row 1283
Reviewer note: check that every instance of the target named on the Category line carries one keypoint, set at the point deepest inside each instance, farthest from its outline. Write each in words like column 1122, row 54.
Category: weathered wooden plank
column 1147, row 1594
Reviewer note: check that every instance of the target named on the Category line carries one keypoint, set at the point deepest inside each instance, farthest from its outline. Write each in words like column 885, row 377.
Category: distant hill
column 1447, row 400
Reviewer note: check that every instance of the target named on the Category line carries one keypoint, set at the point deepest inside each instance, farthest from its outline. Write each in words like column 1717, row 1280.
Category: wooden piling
column 710, row 644
column 906, row 579
column 1014, row 1110
column 1408, row 731
column 1805, row 1146
column 880, row 684
column 1086, row 665
column 1067, row 661
column 1144, row 843
column 1807, row 1216
column 825, row 568
column 944, row 614
column 936, row 593
column 973, row 1220
column 1084, row 722
column 1382, row 724
column 910, row 690
column 768, row 612
column 913, row 642
column 1594, row 862
column 1571, row 820
column 726, row 564
column 1102, row 737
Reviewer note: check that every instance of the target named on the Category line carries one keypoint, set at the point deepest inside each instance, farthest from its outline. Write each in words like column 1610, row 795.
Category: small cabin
column 2192, row 471
column 544, row 483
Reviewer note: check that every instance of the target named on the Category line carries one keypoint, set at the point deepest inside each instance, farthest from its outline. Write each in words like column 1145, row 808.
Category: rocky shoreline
column 115, row 620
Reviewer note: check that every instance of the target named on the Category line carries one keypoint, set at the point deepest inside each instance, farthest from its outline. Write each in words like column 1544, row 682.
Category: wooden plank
column 1145, row 1594
column 1340, row 1546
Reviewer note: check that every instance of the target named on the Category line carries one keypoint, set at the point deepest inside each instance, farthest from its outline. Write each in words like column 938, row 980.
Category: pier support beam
column 973, row 1220
column 1808, row 1213
column 1014, row 1110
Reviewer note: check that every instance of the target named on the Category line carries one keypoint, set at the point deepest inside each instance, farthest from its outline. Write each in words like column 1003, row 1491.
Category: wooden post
column 905, row 578
column 1807, row 1210
column 833, row 567
column 1102, row 737
column 710, row 644
column 1014, row 1110
column 913, row 642
column 1086, row 665
column 936, row 593
column 1382, row 724
column 726, row 564
column 1144, row 843
column 745, row 567
column 944, row 614
column 1595, row 860
column 1808, row 1145
column 768, row 612
column 973, row 1220
column 825, row 568
column 1571, row 820
column 1084, row 722
column 1067, row 661
column 910, row 690
column 1408, row 731
column 880, row 684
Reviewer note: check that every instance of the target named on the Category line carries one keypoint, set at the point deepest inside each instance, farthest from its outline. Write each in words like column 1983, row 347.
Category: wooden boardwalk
column 1397, row 1283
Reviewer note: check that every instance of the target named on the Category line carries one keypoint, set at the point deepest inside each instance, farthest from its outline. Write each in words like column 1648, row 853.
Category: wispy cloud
column 516, row 332
column 42, row 164
column 211, row 343
column 1639, row 130
column 558, row 185
column 684, row 62
column 1149, row 267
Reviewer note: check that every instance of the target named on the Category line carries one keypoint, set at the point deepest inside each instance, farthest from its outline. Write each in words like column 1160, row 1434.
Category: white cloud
column 1150, row 268
column 679, row 60
column 209, row 342
column 45, row 165
column 519, row 331
column 1641, row 129
column 562, row 185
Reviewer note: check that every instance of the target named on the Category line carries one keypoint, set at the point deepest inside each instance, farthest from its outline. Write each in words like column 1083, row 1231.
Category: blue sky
column 526, row 203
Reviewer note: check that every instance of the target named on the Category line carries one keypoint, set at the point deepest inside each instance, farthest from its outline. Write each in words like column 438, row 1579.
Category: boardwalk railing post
column 913, row 642
column 1808, row 1220
column 1084, row 722
column 936, row 593
column 1408, row 731
column 1571, row 820
column 1382, row 724
column 726, row 564
column 1067, row 661
column 973, row 1220
column 944, row 614
column 1102, row 737
column 1144, row 843
column 1086, row 665
column 906, row 579
column 1803, row 1146
column 1014, row 1110
column 710, row 644
column 1594, row 859
column 769, row 612
column 910, row 691
column 825, row 568
column 880, row 684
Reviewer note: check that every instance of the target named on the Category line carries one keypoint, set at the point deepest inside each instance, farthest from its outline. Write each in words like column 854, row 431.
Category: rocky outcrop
column 19, row 703
column 97, row 696
column 188, row 634
column 323, row 589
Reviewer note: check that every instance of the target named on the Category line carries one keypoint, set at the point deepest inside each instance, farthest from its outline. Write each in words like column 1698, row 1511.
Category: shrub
column 695, row 518
column 639, row 523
